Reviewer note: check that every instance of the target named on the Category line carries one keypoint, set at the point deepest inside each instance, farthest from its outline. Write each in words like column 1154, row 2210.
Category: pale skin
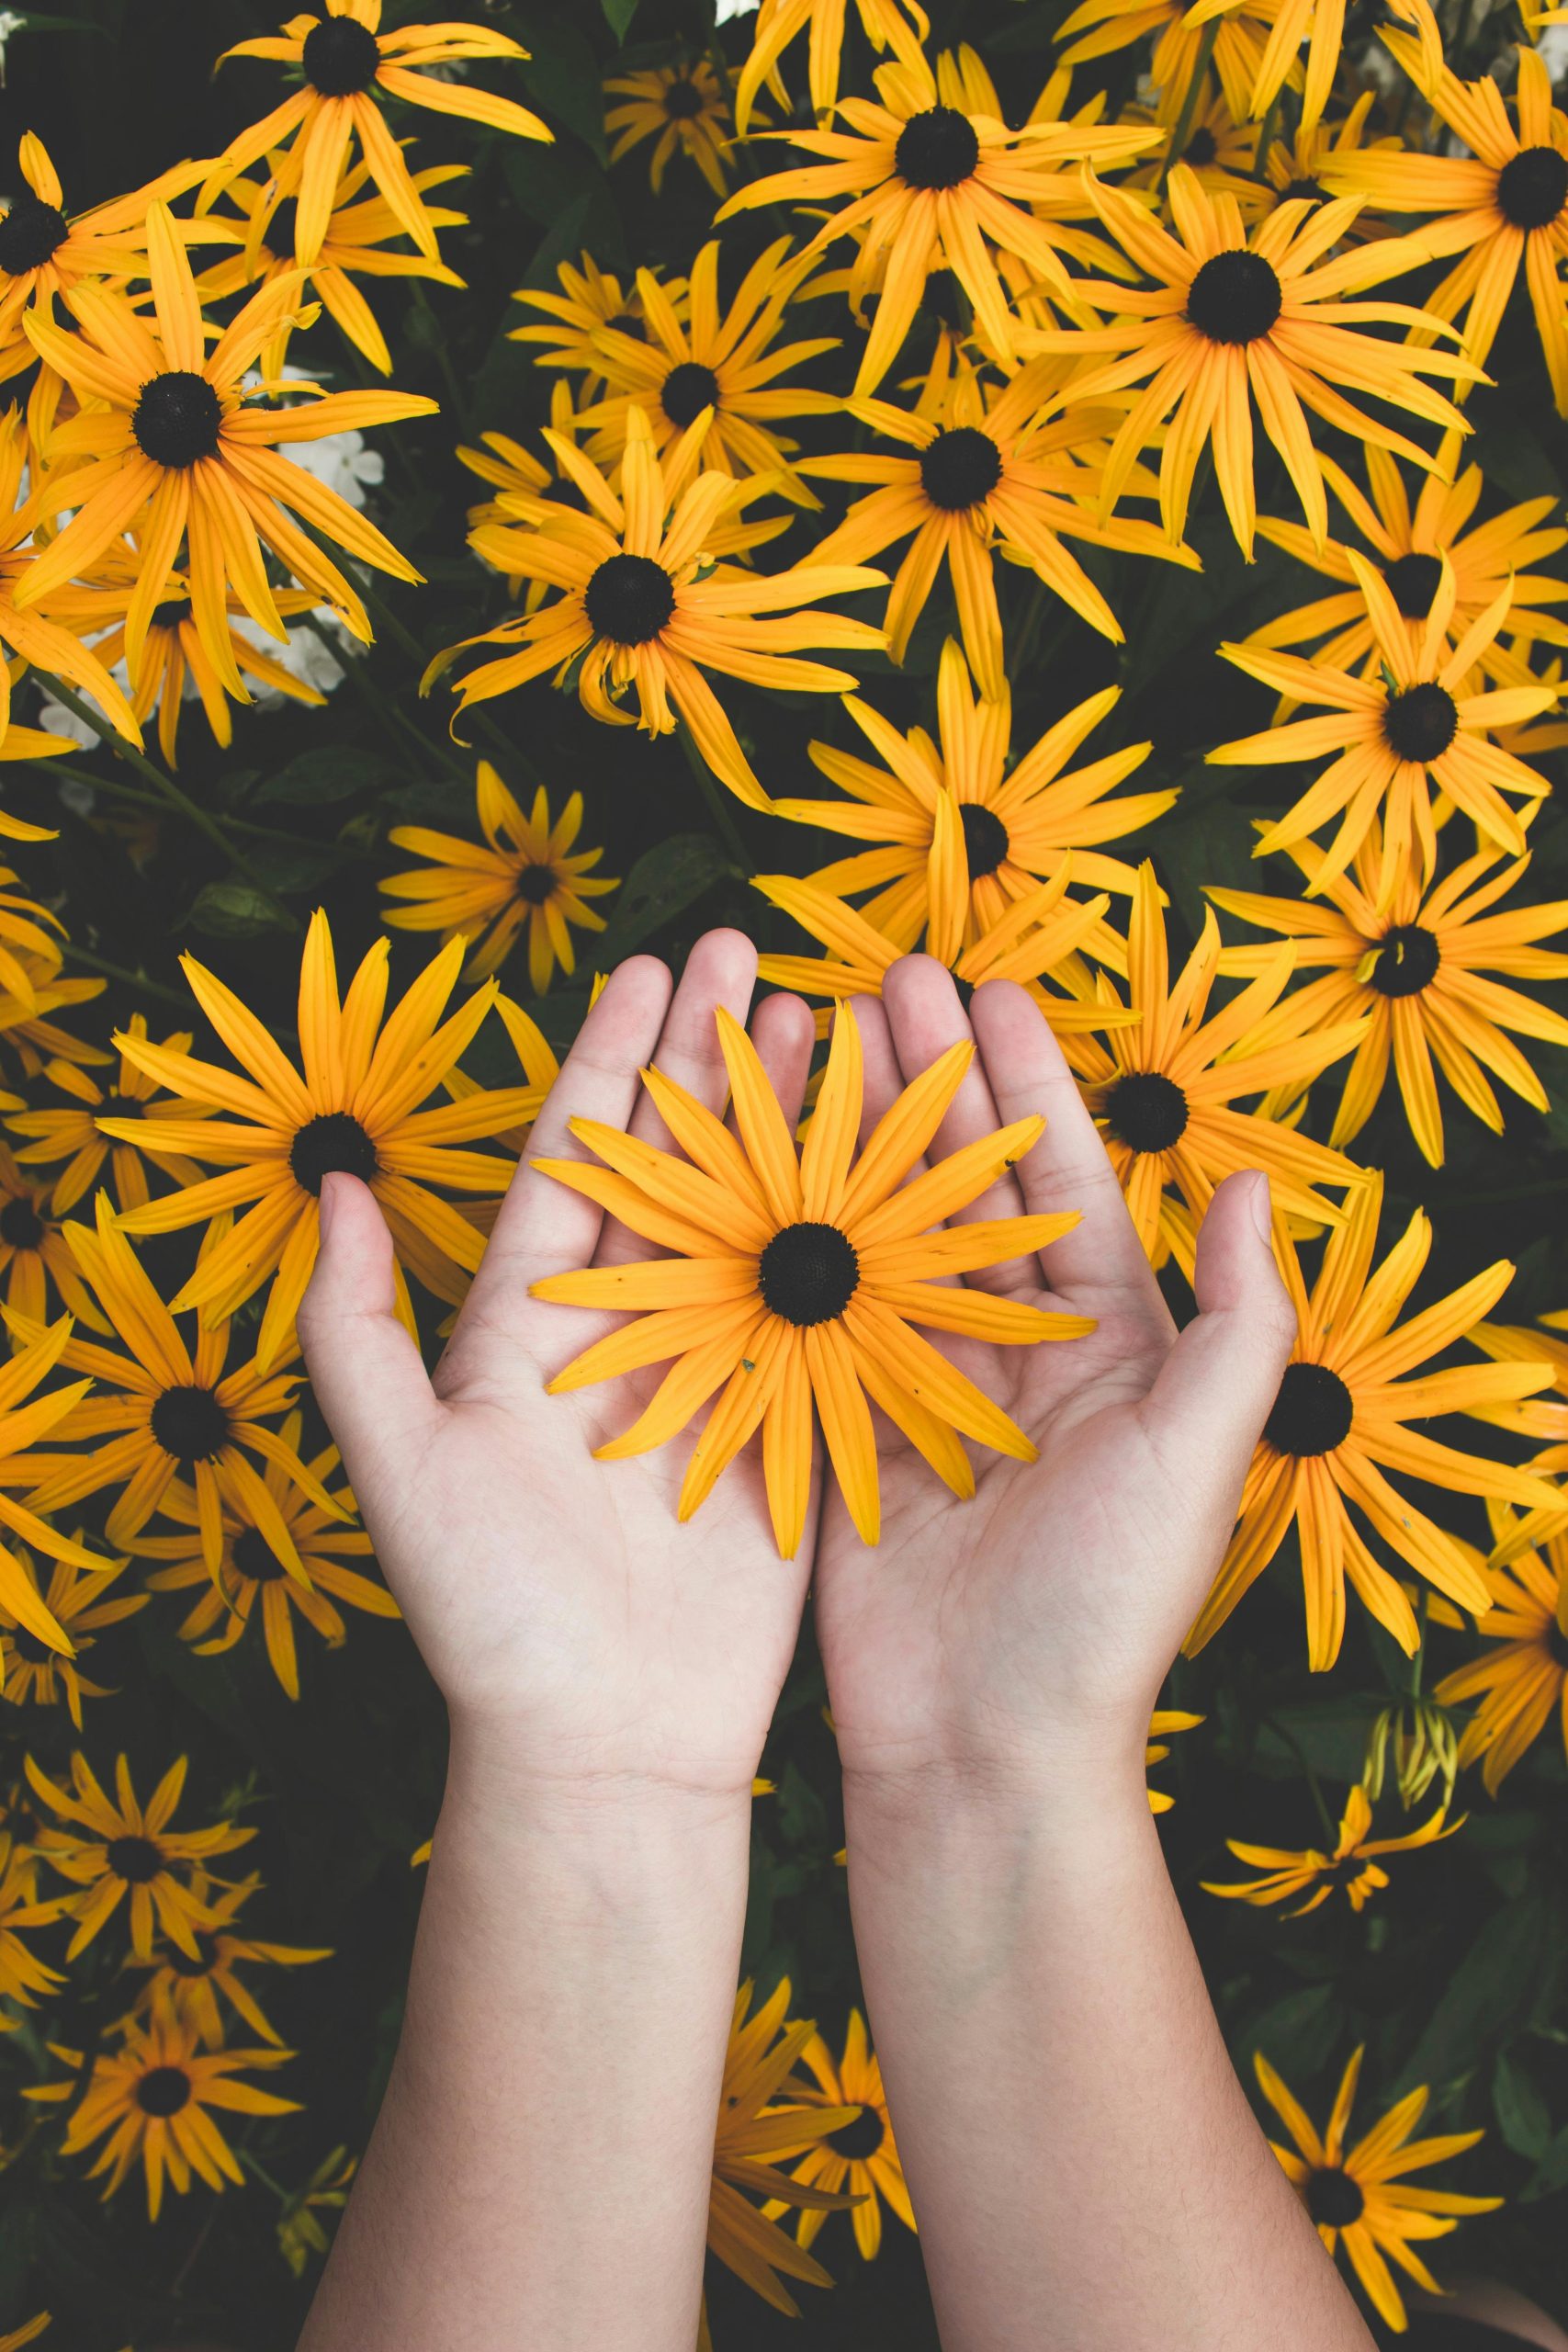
column 1085, row 2168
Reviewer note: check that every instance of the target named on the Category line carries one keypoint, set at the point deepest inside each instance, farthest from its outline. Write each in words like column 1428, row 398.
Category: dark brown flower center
column 341, row 57
column 20, row 1223
column 1311, row 1414
column 985, row 838
column 164, row 2090
column 171, row 613
column 28, row 1646
column 1334, row 2198
column 682, row 99
column 29, row 233
column 1556, row 1644
column 1147, row 1111
column 1201, row 148
column 335, row 1141
column 1420, row 723
column 176, row 418
column 1532, row 188
column 254, row 1559
column 1235, row 297
column 135, row 1859
column 202, row 1964
column 936, row 149
column 190, row 1423
column 859, row 2138
column 808, row 1274
column 1407, row 960
column 535, row 884
column 1311, row 190
column 629, row 599
column 1412, row 583
column 687, row 390
column 960, row 469
column 281, row 230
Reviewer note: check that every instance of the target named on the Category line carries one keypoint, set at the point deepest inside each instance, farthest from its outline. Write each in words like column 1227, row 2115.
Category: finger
column 881, row 1081
column 367, row 1372
column 1068, row 1168
column 784, row 1035
column 926, row 1017
column 1217, row 1385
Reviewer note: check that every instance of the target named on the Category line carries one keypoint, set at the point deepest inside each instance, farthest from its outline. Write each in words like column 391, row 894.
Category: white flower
column 728, row 8
column 304, row 657
column 342, row 460
column 9, row 23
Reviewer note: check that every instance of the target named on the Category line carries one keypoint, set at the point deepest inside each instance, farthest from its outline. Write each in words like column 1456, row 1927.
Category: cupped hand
column 1034, row 1622
column 557, row 1602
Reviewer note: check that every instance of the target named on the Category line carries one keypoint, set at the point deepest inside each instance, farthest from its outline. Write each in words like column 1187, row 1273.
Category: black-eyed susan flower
column 22, row 1426
column 31, row 935
column 1421, row 971
column 1359, row 2197
column 1219, row 151
column 1340, row 1424
column 1242, row 319
column 354, row 245
column 1298, row 24
column 1101, row 27
column 1406, row 540
column 590, row 299
column 34, row 638
column 524, row 876
column 119, row 1852
column 933, row 187
column 703, row 356
column 164, row 1411
column 1521, row 1676
column 24, row 1977
column 1017, row 822
column 1354, row 1869
column 1416, row 725
column 1501, row 203
column 1164, row 1086
column 33, row 1673
column 986, row 476
column 35, row 1261
column 153, row 2098
column 1163, row 1724
column 23, row 1024
column 190, row 1989
column 798, row 1277
column 348, row 65
column 72, row 1132
column 354, row 1105
column 1293, row 166
column 684, row 109
column 640, row 608
column 900, row 26
column 250, row 1587
column 173, row 439
column 859, row 2159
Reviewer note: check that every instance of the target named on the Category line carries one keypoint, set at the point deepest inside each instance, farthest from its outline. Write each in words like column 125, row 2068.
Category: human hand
column 569, row 1621
column 1032, row 1625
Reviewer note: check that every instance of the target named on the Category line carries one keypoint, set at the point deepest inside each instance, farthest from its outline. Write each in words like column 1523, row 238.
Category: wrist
column 1045, row 1800
column 499, row 1765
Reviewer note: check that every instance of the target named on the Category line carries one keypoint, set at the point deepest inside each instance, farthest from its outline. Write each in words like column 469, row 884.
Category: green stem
column 135, row 799
column 1293, row 1744
column 1265, row 135
column 713, row 793
column 1183, row 130
column 76, row 954
column 1418, row 1662
column 168, row 791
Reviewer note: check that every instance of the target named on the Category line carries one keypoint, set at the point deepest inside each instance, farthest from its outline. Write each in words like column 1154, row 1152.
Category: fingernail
column 329, row 1194
column 1262, row 1206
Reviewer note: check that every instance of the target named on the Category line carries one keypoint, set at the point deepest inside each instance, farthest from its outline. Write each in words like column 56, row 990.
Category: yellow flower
column 21, row 1427
column 682, row 108
column 34, row 1255
column 1418, row 1738
column 1359, row 2196
column 33, row 1670
column 1296, row 169
column 186, row 1989
column 345, row 60
column 1323, row 31
column 23, row 1976
column 27, row 636
column 639, row 606
column 75, row 1136
column 154, row 2095
column 901, row 26
column 1104, row 27
column 933, row 185
column 300, row 2233
column 354, row 1107
column 1522, row 1681
column 1242, row 317
column 1163, row 1723
column 798, row 1276
column 1353, row 1868
column 118, row 1852
column 44, row 992
column 859, row 2158
column 1339, row 1422
column 523, row 876
column 591, row 299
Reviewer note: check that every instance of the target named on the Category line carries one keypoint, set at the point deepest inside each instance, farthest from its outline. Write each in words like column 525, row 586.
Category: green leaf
column 1495, row 1984
column 1550, row 2174
column 326, row 771
column 618, row 15
column 235, row 911
column 663, row 884
column 1296, row 2035
column 562, row 72
column 1523, row 2115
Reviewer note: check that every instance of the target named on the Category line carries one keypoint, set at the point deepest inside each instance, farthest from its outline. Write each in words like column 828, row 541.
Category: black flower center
column 535, row 884
column 1420, row 723
column 1312, row 1412
column 1334, row 2198
column 341, row 57
column 1235, row 297
column 164, row 2090
column 629, row 599
column 280, row 237
column 1147, row 1111
column 961, row 468
column 20, row 1223
column 1532, row 188
column 28, row 1646
column 254, row 1559
column 190, row 1424
column 859, row 2138
column 1557, row 1644
column 1311, row 190
column 1407, row 960
column 682, row 99
column 1343, row 1870
column 688, row 389
column 176, row 420
column 183, row 1964
column 169, row 614
column 1412, row 583
column 335, row 1140
column 135, row 1859
column 30, row 231
column 624, row 323
column 808, row 1274
column 985, row 838
column 936, row 149
column 1201, row 147
column 20, row 1823
column 945, row 300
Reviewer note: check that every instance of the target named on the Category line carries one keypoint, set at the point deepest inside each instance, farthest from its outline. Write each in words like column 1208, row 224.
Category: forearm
column 1084, row 2166
column 561, row 2060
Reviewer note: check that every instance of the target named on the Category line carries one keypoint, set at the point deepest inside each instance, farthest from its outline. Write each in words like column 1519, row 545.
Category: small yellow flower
column 119, row 1852
column 1353, row 1868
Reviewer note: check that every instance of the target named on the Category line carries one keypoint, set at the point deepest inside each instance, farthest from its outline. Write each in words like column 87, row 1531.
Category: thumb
column 1218, row 1384
column 368, row 1374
